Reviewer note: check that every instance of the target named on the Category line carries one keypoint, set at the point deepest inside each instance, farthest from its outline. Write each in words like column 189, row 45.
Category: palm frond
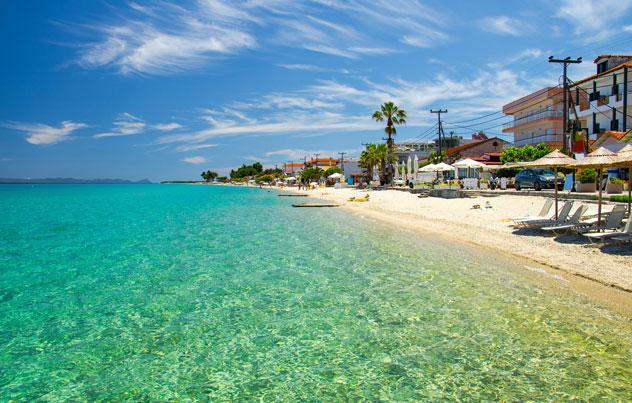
column 378, row 116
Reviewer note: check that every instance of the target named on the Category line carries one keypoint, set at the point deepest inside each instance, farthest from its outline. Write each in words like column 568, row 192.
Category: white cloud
column 254, row 159
column 194, row 147
column 167, row 127
column 167, row 38
column 503, row 25
column 329, row 106
column 295, row 154
column 125, row 124
column 309, row 67
column 594, row 19
column 197, row 160
column 41, row 134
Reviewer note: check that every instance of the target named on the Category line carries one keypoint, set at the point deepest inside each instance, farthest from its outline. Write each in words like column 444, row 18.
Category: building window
column 602, row 67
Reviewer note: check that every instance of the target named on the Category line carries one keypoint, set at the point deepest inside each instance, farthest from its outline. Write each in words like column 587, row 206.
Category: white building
column 601, row 101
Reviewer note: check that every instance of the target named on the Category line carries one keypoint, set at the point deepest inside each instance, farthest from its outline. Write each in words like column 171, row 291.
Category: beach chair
column 603, row 236
column 541, row 215
column 571, row 223
column 561, row 218
column 613, row 221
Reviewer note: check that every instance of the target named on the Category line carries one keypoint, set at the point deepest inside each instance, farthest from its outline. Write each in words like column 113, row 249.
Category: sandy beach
column 455, row 219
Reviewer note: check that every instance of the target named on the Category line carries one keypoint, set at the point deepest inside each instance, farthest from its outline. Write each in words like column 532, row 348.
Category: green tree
column 525, row 153
column 368, row 159
column 264, row 178
column 376, row 154
column 394, row 116
column 247, row 171
column 331, row 171
column 435, row 157
column 209, row 176
column 273, row 171
column 312, row 174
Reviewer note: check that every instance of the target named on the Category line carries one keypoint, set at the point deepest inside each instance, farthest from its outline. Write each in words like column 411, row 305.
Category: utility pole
column 439, row 129
column 342, row 162
column 565, row 62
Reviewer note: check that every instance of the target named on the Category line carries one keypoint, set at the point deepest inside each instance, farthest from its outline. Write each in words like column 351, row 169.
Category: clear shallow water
column 172, row 292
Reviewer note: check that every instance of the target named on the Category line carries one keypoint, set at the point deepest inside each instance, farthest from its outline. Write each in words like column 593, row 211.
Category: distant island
column 70, row 181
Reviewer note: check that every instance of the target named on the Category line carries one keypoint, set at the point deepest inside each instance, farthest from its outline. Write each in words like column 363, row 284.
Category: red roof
column 486, row 161
column 458, row 149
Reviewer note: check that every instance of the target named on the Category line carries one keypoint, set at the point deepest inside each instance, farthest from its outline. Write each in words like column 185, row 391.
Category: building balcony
column 536, row 139
column 509, row 126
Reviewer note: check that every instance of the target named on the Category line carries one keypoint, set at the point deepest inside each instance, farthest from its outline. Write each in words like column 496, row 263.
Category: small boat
column 293, row 195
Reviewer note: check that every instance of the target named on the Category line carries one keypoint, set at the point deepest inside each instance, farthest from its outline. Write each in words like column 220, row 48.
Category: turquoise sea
column 180, row 292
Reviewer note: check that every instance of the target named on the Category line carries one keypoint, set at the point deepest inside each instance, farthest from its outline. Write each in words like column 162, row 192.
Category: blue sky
column 164, row 90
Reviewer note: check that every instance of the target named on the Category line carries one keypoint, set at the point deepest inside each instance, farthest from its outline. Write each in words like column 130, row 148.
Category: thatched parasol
column 554, row 159
column 624, row 158
column 600, row 158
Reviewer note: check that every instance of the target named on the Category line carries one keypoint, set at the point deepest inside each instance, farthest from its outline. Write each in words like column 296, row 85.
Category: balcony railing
column 533, row 117
column 536, row 139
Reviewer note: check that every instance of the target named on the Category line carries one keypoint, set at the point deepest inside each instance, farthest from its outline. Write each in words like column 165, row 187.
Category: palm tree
column 376, row 154
column 368, row 159
column 393, row 116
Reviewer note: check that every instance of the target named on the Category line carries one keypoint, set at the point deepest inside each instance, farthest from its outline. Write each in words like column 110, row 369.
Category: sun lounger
column 561, row 218
column 601, row 236
column 612, row 222
column 543, row 212
column 572, row 222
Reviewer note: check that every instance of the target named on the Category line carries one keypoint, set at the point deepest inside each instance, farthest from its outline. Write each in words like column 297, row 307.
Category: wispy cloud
column 125, row 124
column 310, row 67
column 197, row 160
column 194, row 147
column 594, row 19
column 330, row 106
column 503, row 25
column 41, row 134
column 297, row 154
column 167, row 38
column 167, row 127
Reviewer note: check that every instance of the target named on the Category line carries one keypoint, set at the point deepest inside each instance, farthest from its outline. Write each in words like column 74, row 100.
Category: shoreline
column 454, row 220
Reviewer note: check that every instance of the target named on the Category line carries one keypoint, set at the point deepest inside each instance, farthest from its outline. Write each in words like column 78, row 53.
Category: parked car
column 537, row 179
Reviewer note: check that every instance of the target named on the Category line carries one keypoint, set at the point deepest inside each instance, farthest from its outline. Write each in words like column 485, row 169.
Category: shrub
column 616, row 181
column 619, row 198
column 587, row 175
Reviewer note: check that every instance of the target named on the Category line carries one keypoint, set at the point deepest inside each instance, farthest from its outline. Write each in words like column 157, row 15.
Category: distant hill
column 70, row 181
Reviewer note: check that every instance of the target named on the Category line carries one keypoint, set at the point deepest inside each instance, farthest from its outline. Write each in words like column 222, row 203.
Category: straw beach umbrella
column 554, row 159
column 600, row 158
column 624, row 158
